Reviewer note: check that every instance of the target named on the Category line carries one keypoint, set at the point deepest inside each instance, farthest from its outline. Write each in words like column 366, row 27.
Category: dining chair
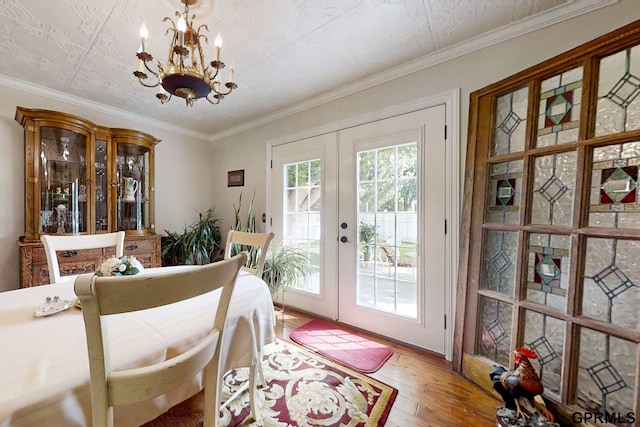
column 54, row 244
column 256, row 244
column 105, row 296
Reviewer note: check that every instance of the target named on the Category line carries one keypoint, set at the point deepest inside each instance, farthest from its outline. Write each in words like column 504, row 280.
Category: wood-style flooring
column 430, row 393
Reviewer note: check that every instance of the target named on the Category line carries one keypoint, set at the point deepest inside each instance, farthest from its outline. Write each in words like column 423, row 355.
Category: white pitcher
column 130, row 188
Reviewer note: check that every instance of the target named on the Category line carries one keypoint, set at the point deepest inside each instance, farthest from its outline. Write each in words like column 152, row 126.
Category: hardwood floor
column 430, row 394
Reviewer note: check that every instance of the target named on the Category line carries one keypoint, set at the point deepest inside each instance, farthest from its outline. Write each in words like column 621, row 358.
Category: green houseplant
column 282, row 267
column 199, row 243
column 368, row 234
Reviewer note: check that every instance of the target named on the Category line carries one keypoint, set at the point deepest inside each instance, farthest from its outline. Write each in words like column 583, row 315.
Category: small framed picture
column 235, row 178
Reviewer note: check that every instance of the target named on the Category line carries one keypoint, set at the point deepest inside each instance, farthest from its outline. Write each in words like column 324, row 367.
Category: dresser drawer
column 134, row 246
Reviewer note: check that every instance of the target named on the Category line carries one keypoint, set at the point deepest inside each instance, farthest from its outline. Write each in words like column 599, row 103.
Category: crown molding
column 96, row 106
column 561, row 13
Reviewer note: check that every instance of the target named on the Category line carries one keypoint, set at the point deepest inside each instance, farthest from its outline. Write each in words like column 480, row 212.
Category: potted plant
column 368, row 235
column 282, row 267
column 198, row 244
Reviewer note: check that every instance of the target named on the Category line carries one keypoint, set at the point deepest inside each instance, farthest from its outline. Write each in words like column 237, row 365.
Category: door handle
column 344, row 239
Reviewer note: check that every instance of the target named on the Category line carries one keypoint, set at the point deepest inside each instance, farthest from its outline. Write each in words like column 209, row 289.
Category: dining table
column 44, row 368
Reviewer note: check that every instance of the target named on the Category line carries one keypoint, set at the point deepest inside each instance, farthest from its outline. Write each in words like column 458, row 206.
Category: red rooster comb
column 529, row 354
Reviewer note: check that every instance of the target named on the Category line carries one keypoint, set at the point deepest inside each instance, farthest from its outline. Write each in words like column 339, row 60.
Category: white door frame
column 451, row 100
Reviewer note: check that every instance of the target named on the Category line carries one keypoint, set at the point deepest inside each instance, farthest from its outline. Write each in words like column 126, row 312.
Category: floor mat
column 359, row 354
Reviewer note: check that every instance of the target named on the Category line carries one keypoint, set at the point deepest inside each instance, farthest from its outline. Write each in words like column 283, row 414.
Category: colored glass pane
column 614, row 189
column 548, row 269
column 559, row 113
column 505, row 184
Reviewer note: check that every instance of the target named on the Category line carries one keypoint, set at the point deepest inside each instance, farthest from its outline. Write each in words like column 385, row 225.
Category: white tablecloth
column 44, row 370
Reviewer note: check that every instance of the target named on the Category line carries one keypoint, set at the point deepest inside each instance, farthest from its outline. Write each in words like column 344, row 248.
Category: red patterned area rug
column 303, row 389
column 348, row 349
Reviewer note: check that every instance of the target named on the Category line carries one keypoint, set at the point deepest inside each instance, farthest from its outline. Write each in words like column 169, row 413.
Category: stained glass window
column 619, row 93
column 555, row 198
column 559, row 112
column 511, row 122
column 612, row 282
column 554, row 180
column 606, row 374
column 495, row 340
column 500, row 262
column 545, row 335
column 548, row 269
column 614, row 200
column 505, row 189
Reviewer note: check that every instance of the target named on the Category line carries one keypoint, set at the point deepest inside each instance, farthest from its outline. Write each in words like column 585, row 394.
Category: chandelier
column 185, row 74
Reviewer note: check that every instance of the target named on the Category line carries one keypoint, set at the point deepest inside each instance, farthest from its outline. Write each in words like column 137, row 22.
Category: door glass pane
column 101, row 186
column 553, row 187
column 606, row 374
column 495, row 330
column 548, row 269
column 559, row 113
column 545, row 335
column 614, row 200
column 511, row 122
column 505, row 190
column 612, row 282
column 619, row 93
column 133, row 187
column 302, row 217
column 63, row 196
column 388, row 229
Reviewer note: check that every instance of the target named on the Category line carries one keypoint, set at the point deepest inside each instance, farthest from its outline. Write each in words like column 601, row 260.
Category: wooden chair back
column 53, row 244
column 254, row 240
column 102, row 296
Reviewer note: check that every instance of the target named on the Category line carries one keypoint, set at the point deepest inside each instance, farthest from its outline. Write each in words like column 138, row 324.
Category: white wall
column 469, row 73
column 183, row 174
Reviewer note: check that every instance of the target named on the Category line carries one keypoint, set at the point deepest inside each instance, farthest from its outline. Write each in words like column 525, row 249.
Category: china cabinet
column 83, row 178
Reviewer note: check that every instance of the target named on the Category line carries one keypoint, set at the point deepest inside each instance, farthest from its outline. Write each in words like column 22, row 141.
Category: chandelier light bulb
column 144, row 35
column 182, row 24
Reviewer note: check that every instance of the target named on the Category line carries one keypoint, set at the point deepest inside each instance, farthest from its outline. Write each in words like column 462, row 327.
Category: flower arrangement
column 124, row 266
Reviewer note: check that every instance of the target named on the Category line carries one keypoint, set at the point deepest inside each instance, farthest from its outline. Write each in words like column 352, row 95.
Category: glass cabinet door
column 133, row 187
column 63, row 181
column 101, row 184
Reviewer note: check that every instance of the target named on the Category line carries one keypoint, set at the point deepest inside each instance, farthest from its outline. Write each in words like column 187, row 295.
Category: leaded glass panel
column 611, row 281
column 606, row 374
column 505, row 192
column 495, row 333
column 545, row 335
column 553, row 188
column 619, row 93
column 559, row 111
column 500, row 262
column 548, row 269
column 511, row 122
column 614, row 200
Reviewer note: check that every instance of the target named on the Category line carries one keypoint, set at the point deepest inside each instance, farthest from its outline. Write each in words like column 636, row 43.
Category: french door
column 362, row 202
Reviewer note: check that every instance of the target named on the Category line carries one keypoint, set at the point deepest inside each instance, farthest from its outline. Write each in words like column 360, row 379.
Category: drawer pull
column 68, row 253
column 132, row 247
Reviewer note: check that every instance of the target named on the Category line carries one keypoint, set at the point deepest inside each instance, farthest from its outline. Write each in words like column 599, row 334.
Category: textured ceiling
column 284, row 52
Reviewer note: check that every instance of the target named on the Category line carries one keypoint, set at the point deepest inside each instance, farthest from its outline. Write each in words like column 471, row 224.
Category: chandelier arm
column 146, row 85
column 217, row 97
column 230, row 86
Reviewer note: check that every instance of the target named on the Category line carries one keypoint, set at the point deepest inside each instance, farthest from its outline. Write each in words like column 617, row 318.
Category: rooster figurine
column 521, row 383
